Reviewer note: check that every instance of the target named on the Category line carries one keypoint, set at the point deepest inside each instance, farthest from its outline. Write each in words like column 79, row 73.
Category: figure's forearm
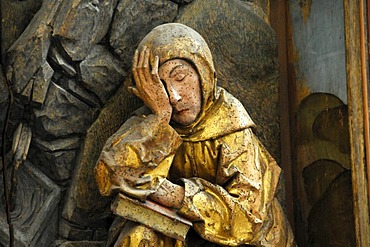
column 169, row 195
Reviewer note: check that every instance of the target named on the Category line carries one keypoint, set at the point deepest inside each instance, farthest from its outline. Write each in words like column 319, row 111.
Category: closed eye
column 179, row 73
column 179, row 77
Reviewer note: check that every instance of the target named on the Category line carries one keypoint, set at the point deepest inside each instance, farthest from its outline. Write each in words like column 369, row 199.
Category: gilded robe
column 229, row 177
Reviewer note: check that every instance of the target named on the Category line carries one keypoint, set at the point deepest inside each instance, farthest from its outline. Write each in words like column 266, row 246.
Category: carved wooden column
column 357, row 81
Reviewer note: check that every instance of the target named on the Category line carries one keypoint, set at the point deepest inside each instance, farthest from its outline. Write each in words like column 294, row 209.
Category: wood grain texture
column 356, row 119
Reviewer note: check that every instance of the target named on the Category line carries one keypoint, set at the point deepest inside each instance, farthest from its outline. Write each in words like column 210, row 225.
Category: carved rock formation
column 133, row 20
column 35, row 216
column 31, row 49
column 92, row 17
column 4, row 102
column 102, row 72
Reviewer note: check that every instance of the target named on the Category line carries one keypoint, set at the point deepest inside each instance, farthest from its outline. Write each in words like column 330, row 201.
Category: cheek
column 195, row 88
column 192, row 84
column 188, row 92
column 193, row 94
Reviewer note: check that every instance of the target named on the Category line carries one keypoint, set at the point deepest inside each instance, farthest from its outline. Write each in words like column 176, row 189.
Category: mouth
column 180, row 112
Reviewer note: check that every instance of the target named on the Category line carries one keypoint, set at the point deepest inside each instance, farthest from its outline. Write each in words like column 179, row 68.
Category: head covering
column 175, row 40
column 221, row 113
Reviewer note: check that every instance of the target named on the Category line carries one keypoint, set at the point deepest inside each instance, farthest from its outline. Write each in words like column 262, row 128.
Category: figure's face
column 183, row 88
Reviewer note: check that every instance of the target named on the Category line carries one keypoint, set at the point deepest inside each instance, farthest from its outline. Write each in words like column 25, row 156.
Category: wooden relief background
column 328, row 121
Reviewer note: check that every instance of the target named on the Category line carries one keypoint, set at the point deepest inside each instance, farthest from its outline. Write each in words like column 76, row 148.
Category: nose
column 173, row 95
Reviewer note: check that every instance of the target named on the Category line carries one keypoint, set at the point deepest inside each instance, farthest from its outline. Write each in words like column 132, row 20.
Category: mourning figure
column 191, row 149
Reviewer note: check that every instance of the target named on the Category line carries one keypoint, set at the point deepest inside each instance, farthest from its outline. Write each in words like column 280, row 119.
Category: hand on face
column 181, row 102
column 149, row 87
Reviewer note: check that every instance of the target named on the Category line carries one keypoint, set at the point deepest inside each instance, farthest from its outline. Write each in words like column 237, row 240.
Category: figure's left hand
column 169, row 194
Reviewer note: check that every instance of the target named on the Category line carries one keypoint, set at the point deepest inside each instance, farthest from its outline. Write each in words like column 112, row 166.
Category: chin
column 183, row 121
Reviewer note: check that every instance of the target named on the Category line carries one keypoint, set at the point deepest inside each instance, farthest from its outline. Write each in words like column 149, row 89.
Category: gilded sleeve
column 136, row 159
column 240, row 208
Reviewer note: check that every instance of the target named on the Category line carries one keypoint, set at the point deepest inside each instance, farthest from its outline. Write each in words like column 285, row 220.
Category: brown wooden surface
column 278, row 23
column 317, row 93
column 367, row 119
column 355, row 80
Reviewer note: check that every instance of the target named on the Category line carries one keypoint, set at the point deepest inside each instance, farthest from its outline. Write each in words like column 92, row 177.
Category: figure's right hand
column 149, row 87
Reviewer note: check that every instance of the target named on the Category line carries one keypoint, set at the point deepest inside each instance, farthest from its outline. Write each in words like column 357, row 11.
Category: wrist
column 165, row 116
column 180, row 198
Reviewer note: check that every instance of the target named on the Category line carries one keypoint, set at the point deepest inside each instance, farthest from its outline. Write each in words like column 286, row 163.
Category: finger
column 155, row 70
column 135, row 60
column 134, row 68
column 143, row 69
column 143, row 180
column 136, row 77
column 155, row 66
column 146, row 67
column 134, row 91
column 141, row 57
column 141, row 78
column 146, row 58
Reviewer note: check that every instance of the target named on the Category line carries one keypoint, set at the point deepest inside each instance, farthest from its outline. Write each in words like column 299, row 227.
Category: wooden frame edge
column 356, row 68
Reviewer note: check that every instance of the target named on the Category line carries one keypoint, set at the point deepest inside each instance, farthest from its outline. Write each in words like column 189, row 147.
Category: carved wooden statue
column 190, row 149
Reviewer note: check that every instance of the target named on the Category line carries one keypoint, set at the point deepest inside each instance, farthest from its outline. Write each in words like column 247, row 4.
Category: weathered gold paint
column 229, row 178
